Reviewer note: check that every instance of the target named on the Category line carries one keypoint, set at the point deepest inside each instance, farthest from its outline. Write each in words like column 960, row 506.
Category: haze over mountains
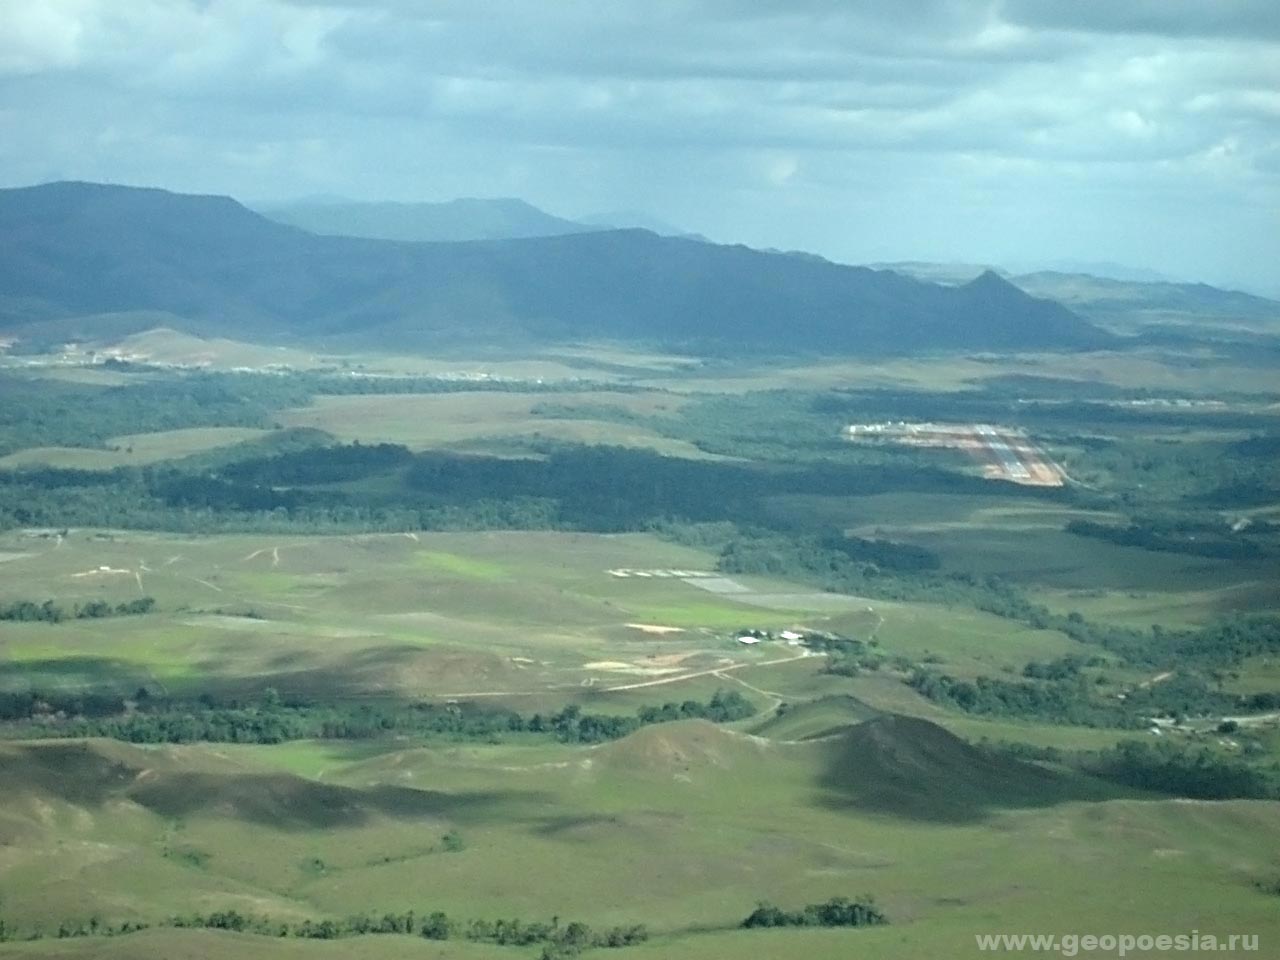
column 1122, row 303
column 70, row 249
column 469, row 218
column 504, row 218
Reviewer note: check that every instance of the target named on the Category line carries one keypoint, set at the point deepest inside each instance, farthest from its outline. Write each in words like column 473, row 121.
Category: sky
column 1012, row 132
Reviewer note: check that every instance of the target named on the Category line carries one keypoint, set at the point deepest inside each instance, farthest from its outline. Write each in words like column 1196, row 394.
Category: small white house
column 748, row 639
column 791, row 636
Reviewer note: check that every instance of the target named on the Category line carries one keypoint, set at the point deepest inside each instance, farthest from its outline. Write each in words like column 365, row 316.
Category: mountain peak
column 989, row 280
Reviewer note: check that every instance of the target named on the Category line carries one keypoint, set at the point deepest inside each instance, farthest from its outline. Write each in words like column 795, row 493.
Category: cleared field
column 478, row 421
column 134, row 449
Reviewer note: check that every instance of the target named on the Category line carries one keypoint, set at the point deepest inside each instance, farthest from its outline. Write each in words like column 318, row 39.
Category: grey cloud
column 1244, row 19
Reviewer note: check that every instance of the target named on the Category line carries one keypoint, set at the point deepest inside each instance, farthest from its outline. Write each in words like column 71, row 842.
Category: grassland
column 841, row 784
column 432, row 614
column 484, row 421
column 706, row 820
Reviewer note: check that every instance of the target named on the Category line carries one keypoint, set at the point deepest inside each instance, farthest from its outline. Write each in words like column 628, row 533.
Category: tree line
column 836, row 912
column 1197, row 539
column 269, row 720
column 1165, row 767
column 557, row 939
column 29, row 611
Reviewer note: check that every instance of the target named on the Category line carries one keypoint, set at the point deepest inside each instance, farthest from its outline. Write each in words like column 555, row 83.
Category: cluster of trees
column 318, row 465
column 1070, row 700
column 43, row 412
column 29, row 611
column 1058, row 692
column 1196, row 538
column 1166, row 767
column 161, row 720
column 93, row 927
column 597, row 488
column 1158, row 765
column 558, row 940
column 846, row 657
column 836, row 912
column 1225, row 642
column 571, row 725
column 1063, row 668
column 883, row 554
column 21, row 706
column 564, row 938
column 902, row 573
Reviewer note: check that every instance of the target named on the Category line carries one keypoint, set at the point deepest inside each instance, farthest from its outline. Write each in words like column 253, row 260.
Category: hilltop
column 73, row 249
column 910, row 767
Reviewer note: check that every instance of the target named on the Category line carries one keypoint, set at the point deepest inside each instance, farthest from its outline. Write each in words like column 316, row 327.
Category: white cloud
column 41, row 36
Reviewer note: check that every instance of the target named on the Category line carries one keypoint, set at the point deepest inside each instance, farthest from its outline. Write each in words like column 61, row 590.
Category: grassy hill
column 69, row 249
column 814, row 719
column 910, row 767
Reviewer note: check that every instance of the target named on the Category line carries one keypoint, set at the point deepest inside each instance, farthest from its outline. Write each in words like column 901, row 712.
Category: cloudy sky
column 1145, row 132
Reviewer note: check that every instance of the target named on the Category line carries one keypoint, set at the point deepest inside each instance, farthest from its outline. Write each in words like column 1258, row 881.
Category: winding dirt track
column 713, row 672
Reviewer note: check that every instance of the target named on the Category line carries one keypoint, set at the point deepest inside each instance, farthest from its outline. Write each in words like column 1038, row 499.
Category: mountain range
column 72, row 250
